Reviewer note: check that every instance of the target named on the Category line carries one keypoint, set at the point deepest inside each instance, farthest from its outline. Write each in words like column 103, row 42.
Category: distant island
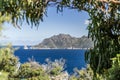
column 65, row 41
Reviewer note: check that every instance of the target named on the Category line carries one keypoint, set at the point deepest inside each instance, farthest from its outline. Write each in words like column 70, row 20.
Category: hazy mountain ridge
column 65, row 41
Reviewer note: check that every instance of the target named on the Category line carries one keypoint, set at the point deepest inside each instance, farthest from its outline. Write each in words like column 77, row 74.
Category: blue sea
column 74, row 58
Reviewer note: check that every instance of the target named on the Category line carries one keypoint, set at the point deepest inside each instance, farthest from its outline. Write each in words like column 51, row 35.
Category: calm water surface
column 74, row 58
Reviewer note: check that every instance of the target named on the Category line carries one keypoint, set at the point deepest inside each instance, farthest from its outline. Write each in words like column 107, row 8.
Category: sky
column 68, row 22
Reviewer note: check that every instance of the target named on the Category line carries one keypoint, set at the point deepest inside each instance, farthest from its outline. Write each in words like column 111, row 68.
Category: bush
column 34, row 71
column 8, row 61
column 114, row 71
column 55, row 68
column 29, row 72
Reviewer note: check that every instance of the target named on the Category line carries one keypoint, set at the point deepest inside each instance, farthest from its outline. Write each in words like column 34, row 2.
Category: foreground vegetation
column 104, row 29
column 11, row 69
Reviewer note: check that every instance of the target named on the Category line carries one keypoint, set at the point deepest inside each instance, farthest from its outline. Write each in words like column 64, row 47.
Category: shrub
column 8, row 61
column 114, row 71
column 29, row 72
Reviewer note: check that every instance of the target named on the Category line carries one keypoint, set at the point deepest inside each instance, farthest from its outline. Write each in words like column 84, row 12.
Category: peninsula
column 65, row 41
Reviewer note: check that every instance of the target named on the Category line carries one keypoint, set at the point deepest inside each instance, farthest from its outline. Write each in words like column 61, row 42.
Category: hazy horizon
column 69, row 22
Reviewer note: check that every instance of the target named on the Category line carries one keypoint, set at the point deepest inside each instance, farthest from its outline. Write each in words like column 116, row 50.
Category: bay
column 74, row 58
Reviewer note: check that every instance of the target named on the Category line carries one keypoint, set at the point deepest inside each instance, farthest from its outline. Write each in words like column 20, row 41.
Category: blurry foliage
column 114, row 71
column 7, row 59
column 86, row 74
column 34, row 71
column 56, row 67
column 3, row 75
column 27, row 72
column 104, row 27
column 83, row 74
column 30, row 10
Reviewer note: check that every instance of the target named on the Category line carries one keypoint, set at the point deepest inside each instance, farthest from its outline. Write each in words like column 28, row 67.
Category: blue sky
column 68, row 22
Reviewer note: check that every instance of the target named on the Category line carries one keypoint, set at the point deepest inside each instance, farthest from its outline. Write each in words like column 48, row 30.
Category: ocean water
column 73, row 58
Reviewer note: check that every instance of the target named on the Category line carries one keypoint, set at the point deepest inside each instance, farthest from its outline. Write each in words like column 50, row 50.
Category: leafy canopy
column 104, row 26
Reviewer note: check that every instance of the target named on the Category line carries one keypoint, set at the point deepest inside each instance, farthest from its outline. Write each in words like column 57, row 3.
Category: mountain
column 65, row 41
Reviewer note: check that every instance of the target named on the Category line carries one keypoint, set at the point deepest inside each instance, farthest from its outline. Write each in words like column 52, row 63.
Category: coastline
column 62, row 48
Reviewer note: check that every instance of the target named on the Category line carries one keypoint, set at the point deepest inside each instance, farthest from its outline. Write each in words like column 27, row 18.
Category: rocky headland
column 65, row 41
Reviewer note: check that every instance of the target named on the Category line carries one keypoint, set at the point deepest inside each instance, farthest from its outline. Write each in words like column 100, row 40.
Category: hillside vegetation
column 65, row 41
